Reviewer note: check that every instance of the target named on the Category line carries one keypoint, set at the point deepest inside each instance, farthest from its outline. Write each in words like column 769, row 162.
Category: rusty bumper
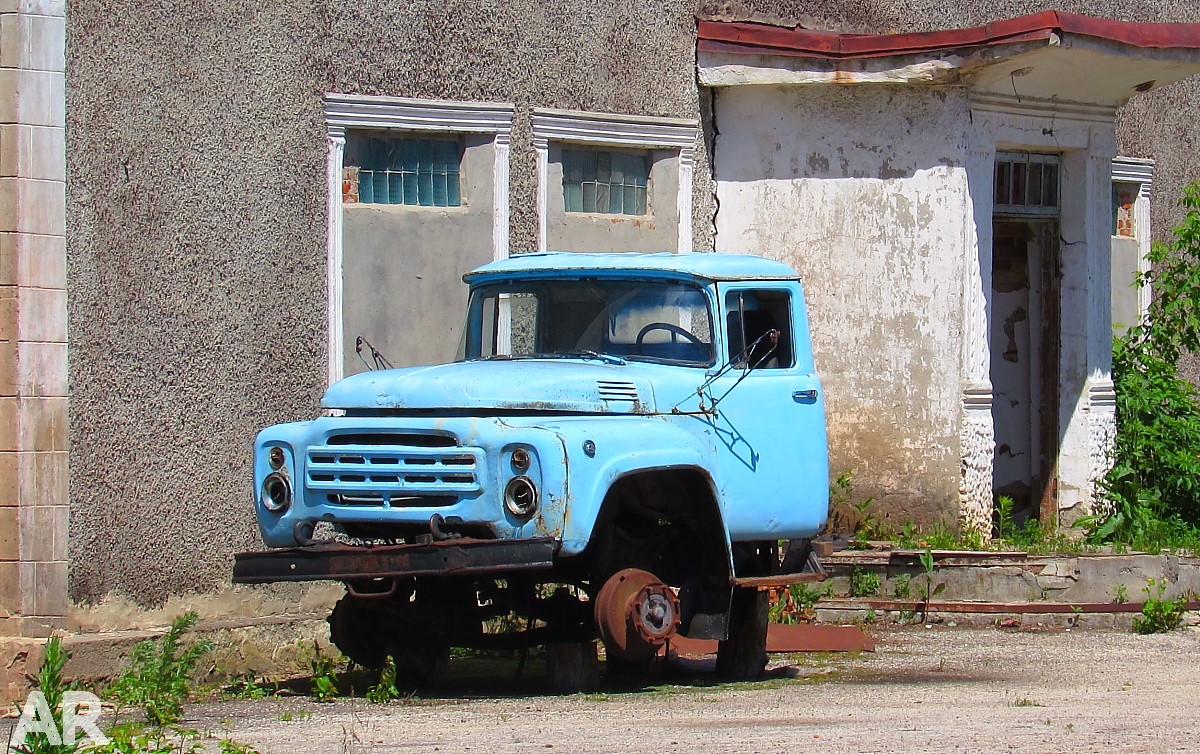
column 339, row 562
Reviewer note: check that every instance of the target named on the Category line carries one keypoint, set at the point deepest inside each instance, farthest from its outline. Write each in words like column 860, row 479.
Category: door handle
column 805, row 395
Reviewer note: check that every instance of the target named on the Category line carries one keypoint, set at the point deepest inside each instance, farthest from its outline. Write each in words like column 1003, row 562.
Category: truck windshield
column 636, row 320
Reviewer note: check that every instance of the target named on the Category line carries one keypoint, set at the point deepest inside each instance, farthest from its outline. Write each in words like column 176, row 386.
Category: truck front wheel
column 354, row 630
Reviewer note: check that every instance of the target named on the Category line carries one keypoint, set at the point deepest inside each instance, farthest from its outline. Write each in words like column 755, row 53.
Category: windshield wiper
column 606, row 358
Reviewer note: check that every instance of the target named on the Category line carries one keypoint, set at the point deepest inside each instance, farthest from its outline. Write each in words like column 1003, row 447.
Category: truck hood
column 524, row 384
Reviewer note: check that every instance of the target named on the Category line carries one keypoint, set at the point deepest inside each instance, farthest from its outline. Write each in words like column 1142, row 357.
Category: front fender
column 622, row 446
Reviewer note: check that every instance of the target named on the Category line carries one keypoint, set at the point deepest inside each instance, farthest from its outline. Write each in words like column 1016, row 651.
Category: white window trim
column 1133, row 170
column 613, row 130
column 344, row 111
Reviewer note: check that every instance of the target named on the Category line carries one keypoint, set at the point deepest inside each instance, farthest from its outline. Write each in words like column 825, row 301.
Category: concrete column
column 541, row 145
column 1102, row 398
column 33, row 318
column 976, row 433
column 684, row 202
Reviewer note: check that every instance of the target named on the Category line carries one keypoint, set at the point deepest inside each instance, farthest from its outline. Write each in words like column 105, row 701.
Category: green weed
column 324, row 680
column 864, row 583
column 847, row 515
column 246, row 688
column 1159, row 614
column 134, row 738
column 50, row 683
column 927, row 589
column 796, row 603
column 158, row 678
column 385, row 690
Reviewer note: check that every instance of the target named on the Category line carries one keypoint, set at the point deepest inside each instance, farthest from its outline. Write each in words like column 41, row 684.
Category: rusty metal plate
column 802, row 637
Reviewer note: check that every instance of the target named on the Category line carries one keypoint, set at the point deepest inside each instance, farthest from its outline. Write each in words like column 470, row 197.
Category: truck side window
column 753, row 313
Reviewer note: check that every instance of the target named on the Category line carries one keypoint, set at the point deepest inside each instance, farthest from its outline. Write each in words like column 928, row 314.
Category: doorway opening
column 1025, row 335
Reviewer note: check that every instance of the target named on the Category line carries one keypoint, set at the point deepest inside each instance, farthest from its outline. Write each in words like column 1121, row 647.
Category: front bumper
column 339, row 562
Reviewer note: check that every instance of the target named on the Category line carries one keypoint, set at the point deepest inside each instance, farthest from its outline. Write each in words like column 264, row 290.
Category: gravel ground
column 924, row 690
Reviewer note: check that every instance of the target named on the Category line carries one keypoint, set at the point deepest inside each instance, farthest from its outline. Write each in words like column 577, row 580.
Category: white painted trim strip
column 1075, row 111
column 364, row 111
column 542, row 148
column 613, row 129
column 334, row 252
column 1132, row 170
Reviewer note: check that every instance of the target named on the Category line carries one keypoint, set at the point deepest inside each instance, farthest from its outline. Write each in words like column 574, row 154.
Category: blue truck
column 628, row 446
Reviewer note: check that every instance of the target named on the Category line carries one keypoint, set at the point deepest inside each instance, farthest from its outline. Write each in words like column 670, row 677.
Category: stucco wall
column 196, row 219
column 403, row 268
column 197, row 227
column 196, row 266
column 865, row 193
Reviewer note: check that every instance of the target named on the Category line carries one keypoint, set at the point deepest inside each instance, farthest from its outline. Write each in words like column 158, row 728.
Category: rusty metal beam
column 339, row 562
column 778, row 580
column 993, row 607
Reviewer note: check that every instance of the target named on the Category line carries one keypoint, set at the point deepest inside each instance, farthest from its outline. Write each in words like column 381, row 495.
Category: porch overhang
column 1049, row 56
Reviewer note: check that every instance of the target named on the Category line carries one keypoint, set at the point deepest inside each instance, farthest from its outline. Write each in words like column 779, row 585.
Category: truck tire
column 354, row 631
column 743, row 656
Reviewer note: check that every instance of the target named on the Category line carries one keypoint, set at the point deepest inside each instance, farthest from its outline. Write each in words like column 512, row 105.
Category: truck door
column 773, row 463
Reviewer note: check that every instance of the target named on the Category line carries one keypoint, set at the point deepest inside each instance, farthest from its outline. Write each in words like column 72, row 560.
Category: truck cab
column 622, row 448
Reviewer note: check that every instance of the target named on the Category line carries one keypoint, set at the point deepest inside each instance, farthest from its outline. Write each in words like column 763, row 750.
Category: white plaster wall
column 864, row 191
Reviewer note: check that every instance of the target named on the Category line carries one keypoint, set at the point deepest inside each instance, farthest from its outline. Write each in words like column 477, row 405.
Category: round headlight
column 275, row 457
column 520, row 496
column 520, row 460
column 276, row 492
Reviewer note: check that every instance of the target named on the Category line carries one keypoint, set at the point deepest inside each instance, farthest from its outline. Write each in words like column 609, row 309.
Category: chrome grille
column 392, row 473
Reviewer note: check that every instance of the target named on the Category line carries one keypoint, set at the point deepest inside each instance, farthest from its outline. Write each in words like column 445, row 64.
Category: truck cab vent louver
column 612, row 390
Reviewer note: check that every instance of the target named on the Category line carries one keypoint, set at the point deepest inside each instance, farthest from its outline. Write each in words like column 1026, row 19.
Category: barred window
column 605, row 181
column 402, row 170
column 1026, row 184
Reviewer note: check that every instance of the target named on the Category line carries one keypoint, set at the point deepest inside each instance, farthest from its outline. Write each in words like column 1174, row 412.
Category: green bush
column 1154, row 484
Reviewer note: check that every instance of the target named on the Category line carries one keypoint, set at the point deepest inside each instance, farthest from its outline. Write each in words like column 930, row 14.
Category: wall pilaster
column 33, row 319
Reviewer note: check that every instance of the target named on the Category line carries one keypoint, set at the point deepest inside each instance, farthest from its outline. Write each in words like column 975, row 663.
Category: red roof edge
column 759, row 39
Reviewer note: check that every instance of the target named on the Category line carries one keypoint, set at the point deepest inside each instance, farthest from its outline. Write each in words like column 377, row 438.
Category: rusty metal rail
column 965, row 606
column 340, row 562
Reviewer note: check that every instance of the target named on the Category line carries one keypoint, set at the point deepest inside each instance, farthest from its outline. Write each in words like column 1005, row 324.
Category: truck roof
column 704, row 265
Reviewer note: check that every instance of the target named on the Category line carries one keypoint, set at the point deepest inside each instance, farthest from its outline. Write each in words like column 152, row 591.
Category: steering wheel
column 675, row 330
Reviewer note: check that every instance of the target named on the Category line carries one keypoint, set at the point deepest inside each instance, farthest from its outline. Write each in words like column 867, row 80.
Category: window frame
column 566, row 128
column 361, row 111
